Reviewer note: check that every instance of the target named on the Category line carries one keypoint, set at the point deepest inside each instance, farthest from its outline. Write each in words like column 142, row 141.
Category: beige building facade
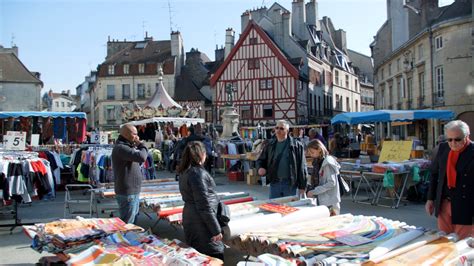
column 432, row 70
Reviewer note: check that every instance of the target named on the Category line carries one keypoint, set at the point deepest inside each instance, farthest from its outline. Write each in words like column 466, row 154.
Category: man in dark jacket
column 127, row 155
column 283, row 163
column 451, row 192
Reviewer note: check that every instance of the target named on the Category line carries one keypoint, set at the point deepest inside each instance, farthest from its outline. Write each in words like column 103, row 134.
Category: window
column 439, row 82
column 253, row 63
column 57, row 104
column 389, row 69
column 266, row 84
column 111, row 69
column 338, row 102
column 355, row 85
column 126, row 69
column 357, row 106
column 348, row 107
column 382, row 98
column 401, row 90
column 253, row 41
column 439, row 42
column 245, row 112
column 409, row 88
column 421, row 82
column 110, row 112
column 347, row 81
column 267, row 110
column 336, row 77
column 125, row 91
column 390, row 95
column 420, row 51
column 141, row 68
column 141, row 91
column 110, row 92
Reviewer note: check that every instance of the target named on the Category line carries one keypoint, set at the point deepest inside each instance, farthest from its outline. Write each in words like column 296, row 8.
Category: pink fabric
column 445, row 224
column 81, row 134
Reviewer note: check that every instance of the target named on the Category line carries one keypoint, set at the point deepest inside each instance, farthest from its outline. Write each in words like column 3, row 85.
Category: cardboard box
column 252, row 179
column 417, row 154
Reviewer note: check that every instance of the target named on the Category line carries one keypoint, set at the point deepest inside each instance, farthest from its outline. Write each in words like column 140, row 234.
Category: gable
column 242, row 51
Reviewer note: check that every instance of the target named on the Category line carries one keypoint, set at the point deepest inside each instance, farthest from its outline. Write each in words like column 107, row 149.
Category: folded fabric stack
column 64, row 234
column 140, row 249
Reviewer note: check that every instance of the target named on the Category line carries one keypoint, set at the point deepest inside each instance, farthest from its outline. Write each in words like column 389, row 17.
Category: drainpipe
column 434, row 123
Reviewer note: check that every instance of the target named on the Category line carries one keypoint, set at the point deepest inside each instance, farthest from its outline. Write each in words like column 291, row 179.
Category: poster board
column 395, row 151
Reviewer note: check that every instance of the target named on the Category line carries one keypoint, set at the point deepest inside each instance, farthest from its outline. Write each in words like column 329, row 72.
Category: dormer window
column 126, row 69
column 111, row 70
column 141, row 68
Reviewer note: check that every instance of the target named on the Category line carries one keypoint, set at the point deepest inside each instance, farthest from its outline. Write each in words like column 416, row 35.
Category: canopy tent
column 177, row 121
column 353, row 118
column 161, row 96
column 5, row 115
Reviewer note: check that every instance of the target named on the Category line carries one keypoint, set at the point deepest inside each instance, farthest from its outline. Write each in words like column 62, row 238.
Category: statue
column 230, row 89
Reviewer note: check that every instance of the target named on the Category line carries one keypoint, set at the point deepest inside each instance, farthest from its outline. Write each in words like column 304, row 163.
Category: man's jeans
column 128, row 207
column 282, row 189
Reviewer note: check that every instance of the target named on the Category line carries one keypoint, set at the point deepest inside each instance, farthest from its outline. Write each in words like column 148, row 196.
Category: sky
column 65, row 39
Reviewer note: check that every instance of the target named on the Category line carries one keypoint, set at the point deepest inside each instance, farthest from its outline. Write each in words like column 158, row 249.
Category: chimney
column 286, row 23
column 299, row 17
column 177, row 49
column 69, row 93
column 229, row 41
column 245, row 19
column 340, row 40
column 219, row 54
column 312, row 12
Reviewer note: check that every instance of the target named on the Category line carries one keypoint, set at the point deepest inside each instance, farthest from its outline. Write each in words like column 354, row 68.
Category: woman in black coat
column 201, row 228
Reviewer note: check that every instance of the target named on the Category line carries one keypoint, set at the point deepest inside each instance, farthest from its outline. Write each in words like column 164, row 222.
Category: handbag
column 223, row 214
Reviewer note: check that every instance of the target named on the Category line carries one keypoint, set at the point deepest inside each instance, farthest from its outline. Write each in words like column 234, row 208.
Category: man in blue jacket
column 127, row 155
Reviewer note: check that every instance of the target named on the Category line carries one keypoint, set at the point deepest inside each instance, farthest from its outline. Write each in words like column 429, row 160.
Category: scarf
column 452, row 161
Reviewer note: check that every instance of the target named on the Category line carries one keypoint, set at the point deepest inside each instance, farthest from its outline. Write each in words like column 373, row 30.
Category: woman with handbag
column 325, row 177
column 201, row 226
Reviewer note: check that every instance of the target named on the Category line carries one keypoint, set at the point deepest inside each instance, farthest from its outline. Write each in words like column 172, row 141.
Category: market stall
column 64, row 126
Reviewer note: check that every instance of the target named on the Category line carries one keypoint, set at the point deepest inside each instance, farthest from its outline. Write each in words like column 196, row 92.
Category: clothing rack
column 19, row 155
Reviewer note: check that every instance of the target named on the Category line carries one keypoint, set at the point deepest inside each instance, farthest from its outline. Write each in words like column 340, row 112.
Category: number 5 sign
column 15, row 140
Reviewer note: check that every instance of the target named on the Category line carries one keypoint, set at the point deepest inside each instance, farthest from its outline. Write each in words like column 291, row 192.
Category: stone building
column 364, row 69
column 423, row 60
column 129, row 75
column 20, row 89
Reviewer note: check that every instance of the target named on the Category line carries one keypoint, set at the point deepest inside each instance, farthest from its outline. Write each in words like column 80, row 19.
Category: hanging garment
column 59, row 128
column 72, row 129
column 82, row 130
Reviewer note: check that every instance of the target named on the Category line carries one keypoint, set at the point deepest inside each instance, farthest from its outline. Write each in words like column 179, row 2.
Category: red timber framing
column 263, row 78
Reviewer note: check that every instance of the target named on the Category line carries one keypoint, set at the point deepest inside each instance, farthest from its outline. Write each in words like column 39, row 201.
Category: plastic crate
column 235, row 176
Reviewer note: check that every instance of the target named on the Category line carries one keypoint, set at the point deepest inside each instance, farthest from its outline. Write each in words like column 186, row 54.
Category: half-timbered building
column 266, row 85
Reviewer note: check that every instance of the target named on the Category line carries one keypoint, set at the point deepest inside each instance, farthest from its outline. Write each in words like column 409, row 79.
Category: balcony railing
column 421, row 102
column 437, row 100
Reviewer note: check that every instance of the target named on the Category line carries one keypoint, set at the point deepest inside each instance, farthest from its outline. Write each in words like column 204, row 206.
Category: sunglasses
column 279, row 128
column 455, row 139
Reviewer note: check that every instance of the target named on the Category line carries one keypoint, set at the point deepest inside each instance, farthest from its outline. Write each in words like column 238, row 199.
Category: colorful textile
column 59, row 128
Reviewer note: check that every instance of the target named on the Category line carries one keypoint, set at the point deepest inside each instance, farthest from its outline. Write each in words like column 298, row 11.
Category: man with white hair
column 283, row 163
column 451, row 193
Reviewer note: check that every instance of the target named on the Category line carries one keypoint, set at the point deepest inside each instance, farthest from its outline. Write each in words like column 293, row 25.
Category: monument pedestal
column 230, row 121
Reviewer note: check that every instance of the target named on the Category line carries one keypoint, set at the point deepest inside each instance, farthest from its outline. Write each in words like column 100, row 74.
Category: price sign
column 103, row 138
column 395, row 151
column 15, row 140
column 99, row 138
column 35, row 140
column 95, row 137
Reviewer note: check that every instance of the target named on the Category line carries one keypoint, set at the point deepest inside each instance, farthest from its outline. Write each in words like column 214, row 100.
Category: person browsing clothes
column 201, row 227
column 324, row 177
column 451, row 192
column 127, row 155
column 283, row 163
